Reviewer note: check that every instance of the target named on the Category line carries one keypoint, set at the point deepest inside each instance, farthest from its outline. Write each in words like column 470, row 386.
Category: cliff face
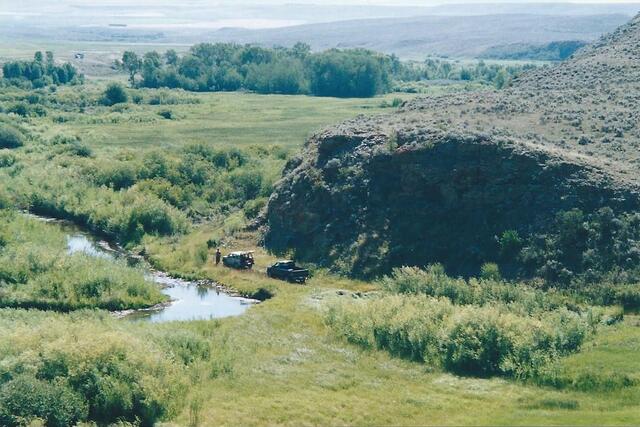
column 437, row 181
column 365, row 201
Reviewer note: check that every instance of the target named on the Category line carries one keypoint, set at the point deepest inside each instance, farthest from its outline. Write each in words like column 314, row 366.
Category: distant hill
column 441, row 178
column 416, row 38
column 570, row 9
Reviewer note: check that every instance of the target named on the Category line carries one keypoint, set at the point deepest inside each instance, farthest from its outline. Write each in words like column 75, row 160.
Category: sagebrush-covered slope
column 441, row 178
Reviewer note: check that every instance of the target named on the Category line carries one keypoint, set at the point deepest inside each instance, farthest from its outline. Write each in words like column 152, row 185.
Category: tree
column 256, row 55
column 229, row 79
column 191, row 67
column 132, row 64
column 348, row 73
column 501, row 79
column 40, row 71
column 301, row 50
column 171, row 57
column 214, row 54
column 115, row 94
column 151, row 64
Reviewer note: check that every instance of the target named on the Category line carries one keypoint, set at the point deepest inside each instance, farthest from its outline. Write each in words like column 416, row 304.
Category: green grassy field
column 239, row 120
column 280, row 363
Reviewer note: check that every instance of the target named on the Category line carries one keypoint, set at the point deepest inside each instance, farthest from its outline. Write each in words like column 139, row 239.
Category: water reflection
column 189, row 300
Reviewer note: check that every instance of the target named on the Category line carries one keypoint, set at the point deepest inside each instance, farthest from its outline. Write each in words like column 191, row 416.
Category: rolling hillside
column 416, row 38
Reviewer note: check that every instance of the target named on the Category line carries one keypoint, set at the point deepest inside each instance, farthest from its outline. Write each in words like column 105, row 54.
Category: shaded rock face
column 439, row 180
column 371, row 201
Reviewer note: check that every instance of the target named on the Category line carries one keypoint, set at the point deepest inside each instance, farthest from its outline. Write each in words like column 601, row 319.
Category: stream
column 188, row 300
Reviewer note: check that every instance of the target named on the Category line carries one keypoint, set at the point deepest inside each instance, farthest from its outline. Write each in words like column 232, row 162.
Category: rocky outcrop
column 439, row 180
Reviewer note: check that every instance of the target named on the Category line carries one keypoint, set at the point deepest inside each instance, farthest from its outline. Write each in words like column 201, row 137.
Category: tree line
column 212, row 67
column 431, row 69
column 229, row 67
column 41, row 71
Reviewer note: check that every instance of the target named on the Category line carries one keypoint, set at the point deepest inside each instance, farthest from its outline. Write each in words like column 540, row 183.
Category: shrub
column 626, row 295
column 78, row 149
column 477, row 344
column 201, row 254
column 85, row 368
column 581, row 249
column 6, row 159
column 64, row 139
column 248, row 183
column 10, row 137
column 434, row 282
column 115, row 93
column 118, row 176
column 490, row 271
column 20, row 109
column 471, row 340
column 396, row 102
column 166, row 114
column 253, row 207
column 510, row 244
column 25, row 399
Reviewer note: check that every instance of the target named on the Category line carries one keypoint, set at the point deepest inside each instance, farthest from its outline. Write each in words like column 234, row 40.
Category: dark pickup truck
column 287, row 270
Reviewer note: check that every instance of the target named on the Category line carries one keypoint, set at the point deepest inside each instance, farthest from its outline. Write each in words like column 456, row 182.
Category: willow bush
column 37, row 272
column 65, row 369
column 469, row 340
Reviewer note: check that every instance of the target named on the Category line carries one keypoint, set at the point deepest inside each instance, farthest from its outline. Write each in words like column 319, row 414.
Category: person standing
column 218, row 256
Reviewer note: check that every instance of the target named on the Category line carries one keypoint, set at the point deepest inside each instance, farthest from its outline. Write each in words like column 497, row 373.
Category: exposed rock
column 441, row 178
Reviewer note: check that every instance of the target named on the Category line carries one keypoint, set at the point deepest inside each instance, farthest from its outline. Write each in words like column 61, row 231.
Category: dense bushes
column 553, row 51
column 68, row 369
column 470, row 340
column 597, row 255
column 125, row 216
column 10, row 137
column 25, row 397
column 433, row 282
column 124, row 199
column 115, row 94
column 200, row 180
column 37, row 272
column 587, row 248
column 497, row 75
column 472, row 327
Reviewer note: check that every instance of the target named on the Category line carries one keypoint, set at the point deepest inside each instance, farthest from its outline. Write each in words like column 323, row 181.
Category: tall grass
column 37, row 272
column 470, row 340
column 480, row 327
column 434, row 282
column 84, row 367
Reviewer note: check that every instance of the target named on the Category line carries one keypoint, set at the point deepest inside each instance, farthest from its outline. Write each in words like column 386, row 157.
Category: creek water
column 189, row 300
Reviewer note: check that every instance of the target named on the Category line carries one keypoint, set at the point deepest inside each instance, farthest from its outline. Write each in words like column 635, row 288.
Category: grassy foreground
column 296, row 369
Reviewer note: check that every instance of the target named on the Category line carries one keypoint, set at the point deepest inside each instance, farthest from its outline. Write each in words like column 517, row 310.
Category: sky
column 8, row 3
column 13, row 4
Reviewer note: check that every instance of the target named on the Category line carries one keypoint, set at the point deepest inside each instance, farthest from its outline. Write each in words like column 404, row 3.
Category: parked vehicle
column 287, row 270
column 239, row 260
